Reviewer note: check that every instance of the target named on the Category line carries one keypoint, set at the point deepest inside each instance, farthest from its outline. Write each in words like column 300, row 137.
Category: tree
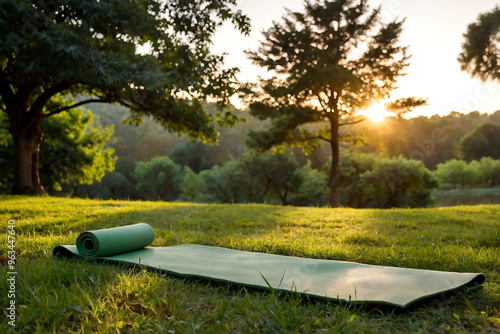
column 481, row 48
column 309, row 187
column 279, row 172
column 74, row 153
column 490, row 170
column 151, row 56
column 222, row 183
column 375, row 181
column 192, row 186
column 260, row 178
column 328, row 63
column 482, row 142
column 354, row 193
column 399, row 182
column 454, row 172
column 159, row 179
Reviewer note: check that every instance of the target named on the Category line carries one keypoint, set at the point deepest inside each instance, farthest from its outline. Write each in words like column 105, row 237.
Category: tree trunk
column 333, row 182
column 26, row 148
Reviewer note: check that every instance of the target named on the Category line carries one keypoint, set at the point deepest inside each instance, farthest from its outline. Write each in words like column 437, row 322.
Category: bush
column 159, row 179
column 193, row 186
column 485, row 172
column 454, row 172
column 399, row 182
column 369, row 180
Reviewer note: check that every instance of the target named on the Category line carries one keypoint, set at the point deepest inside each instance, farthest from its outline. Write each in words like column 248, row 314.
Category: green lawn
column 74, row 296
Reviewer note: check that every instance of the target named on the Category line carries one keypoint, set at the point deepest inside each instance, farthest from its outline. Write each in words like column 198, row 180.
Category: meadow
column 66, row 296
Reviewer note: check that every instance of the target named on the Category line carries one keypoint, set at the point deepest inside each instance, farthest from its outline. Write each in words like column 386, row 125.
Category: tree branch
column 316, row 137
column 351, row 123
column 5, row 90
column 41, row 101
column 57, row 111
column 131, row 106
column 325, row 108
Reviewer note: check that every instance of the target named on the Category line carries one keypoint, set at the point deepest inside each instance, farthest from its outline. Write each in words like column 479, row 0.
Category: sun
column 376, row 112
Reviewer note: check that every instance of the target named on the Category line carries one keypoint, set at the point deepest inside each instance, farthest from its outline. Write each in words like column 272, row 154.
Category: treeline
column 367, row 180
column 432, row 140
column 395, row 163
column 455, row 173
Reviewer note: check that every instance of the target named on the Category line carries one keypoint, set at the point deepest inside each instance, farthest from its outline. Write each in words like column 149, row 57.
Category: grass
column 76, row 296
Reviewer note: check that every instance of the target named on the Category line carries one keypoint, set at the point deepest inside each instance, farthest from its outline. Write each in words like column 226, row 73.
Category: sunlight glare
column 376, row 112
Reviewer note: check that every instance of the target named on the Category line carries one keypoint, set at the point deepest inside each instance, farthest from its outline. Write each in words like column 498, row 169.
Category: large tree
column 151, row 56
column 481, row 142
column 481, row 48
column 74, row 151
column 327, row 63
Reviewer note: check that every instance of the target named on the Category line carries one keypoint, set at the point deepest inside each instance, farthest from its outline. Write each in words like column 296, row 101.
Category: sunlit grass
column 64, row 296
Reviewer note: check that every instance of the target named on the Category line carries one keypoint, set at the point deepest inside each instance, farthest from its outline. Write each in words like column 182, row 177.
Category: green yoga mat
column 337, row 280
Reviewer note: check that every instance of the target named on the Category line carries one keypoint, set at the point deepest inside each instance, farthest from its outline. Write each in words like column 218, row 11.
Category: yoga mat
column 337, row 280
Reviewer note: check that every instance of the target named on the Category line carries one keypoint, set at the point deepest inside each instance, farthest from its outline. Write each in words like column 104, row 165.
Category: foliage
column 353, row 192
column 151, row 56
column 73, row 153
column 432, row 140
column 222, row 183
column 310, row 187
column 399, row 182
column 119, row 186
column 482, row 142
column 369, row 180
column 192, row 186
column 403, row 106
column 265, row 178
column 489, row 171
column 330, row 61
column 263, row 172
column 158, row 179
column 195, row 155
column 90, row 297
column 485, row 172
column 482, row 47
column 142, row 142
column 455, row 172
column 269, row 172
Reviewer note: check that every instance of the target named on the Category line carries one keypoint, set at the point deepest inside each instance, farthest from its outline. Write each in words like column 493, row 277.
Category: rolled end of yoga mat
column 116, row 240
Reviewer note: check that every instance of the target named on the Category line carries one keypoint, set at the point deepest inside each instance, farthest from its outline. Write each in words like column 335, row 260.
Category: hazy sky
column 433, row 31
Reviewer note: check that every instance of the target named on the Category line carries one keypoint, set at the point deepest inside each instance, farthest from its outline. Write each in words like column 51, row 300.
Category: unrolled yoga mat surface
column 338, row 280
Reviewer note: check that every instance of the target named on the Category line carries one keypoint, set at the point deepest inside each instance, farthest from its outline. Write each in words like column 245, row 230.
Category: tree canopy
column 151, row 56
column 76, row 151
column 481, row 48
column 482, row 142
column 328, row 63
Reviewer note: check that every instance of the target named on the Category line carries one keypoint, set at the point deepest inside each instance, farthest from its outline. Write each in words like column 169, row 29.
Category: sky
column 433, row 30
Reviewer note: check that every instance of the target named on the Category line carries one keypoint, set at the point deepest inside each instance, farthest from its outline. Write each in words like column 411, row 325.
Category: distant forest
column 394, row 163
column 432, row 140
